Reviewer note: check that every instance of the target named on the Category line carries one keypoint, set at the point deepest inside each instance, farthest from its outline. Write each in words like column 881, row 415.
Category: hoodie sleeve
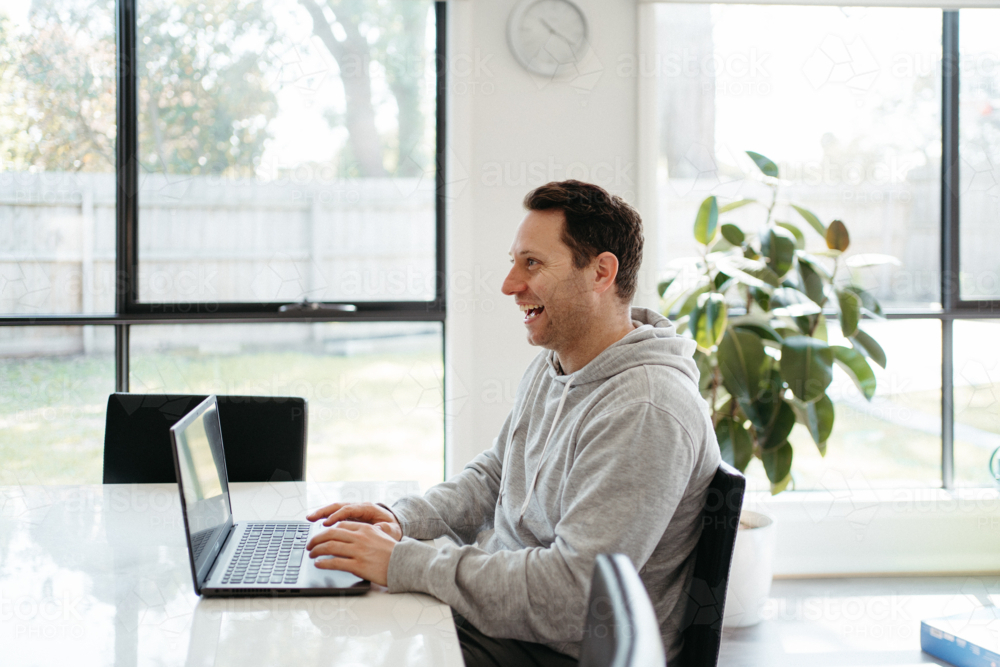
column 461, row 507
column 632, row 467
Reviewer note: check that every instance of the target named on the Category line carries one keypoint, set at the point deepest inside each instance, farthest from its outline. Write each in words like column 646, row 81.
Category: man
column 609, row 449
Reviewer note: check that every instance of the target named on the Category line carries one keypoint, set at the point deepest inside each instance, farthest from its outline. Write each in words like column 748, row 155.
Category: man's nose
column 512, row 284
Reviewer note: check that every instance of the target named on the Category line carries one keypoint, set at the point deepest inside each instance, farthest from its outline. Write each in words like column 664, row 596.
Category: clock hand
column 556, row 32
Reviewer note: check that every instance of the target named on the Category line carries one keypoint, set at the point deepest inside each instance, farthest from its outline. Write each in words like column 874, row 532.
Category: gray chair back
column 621, row 629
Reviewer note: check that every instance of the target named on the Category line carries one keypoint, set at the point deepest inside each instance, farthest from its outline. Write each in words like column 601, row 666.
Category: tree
column 392, row 35
column 206, row 96
column 57, row 92
column 204, row 105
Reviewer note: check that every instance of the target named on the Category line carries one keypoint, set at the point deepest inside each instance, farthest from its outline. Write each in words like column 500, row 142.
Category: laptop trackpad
column 314, row 576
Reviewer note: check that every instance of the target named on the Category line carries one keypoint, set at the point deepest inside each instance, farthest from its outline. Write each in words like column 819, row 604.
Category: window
column 251, row 203
column 848, row 101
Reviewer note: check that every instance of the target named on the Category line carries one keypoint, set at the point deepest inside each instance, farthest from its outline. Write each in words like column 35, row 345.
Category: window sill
column 898, row 531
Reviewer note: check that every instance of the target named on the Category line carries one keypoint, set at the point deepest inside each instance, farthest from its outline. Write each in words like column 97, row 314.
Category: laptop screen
column 201, row 474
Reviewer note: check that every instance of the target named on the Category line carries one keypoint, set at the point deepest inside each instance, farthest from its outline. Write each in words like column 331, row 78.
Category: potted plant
column 757, row 306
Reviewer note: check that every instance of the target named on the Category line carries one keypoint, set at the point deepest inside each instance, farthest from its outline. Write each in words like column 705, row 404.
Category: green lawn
column 52, row 418
column 371, row 417
column 380, row 416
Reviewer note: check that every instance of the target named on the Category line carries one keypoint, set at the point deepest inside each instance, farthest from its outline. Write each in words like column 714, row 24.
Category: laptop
column 249, row 558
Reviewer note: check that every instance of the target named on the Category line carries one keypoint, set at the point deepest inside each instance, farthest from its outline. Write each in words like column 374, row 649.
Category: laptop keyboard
column 268, row 554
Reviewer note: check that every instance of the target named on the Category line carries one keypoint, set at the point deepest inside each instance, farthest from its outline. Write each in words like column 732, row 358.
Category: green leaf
column 735, row 442
column 758, row 324
column 837, row 237
column 811, row 218
column 819, row 331
column 790, row 302
column 741, row 355
column 812, row 282
column 679, row 289
column 778, row 248
column 819, row 419
column 780, row 428
column 763, row 411
column 869, row 347
column 814, row 262
column 707, row 221
column 800, row 239
column 749, row 271
column 807, row 366
column 764, row 164
column 720, row 244
column 761, row 298
column 778, row 466
column 734, row 205
column 704, row 363
column 787, row 332
column 857, row 367
column 692, row 301
column 850, row 312
column 721, row 278
column 732, row 233
column 708, row 320
column 664, row 284
column 868, row 301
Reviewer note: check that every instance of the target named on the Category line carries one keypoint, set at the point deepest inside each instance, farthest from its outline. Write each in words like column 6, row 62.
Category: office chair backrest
column 264, row 437
column 621, row 628
column 701, row 628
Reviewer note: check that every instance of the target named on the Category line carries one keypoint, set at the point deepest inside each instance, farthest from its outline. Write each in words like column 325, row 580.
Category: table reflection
column 99, row 575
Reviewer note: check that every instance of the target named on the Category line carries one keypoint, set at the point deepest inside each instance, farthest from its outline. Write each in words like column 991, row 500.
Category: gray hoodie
column 614, row 458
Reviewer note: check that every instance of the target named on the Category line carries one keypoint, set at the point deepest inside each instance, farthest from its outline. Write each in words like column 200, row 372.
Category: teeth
column 525, row 307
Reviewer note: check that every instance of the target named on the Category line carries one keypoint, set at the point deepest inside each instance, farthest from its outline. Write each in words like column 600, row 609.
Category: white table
column 99, row 575
column 854, row 622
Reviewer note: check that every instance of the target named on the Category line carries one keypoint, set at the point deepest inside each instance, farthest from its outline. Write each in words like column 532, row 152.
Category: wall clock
column 547, row 35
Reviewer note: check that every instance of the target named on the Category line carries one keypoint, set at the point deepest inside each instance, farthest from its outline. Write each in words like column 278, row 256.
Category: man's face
column 553, row 294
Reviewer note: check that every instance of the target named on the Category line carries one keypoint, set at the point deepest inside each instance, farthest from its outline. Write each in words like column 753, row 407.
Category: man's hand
column 362, row 513
column 363, row 549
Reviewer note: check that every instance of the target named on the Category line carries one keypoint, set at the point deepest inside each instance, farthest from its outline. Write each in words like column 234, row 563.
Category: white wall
column 503, row 120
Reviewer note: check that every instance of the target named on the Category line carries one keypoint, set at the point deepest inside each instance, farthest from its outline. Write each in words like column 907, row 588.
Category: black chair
column 701, row 628
column 621, row 628
column 264, row 437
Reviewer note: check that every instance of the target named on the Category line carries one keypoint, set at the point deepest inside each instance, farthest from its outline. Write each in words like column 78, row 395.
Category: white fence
column 208, row 239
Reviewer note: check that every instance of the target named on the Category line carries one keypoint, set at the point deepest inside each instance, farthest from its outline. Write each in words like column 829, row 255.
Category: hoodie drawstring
column 541, row 459
column 510, row 435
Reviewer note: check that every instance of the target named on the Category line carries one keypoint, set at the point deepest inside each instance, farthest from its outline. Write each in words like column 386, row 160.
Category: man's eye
column 531, row 262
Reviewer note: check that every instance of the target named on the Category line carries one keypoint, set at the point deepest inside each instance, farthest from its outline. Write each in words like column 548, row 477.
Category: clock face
column 547, row 34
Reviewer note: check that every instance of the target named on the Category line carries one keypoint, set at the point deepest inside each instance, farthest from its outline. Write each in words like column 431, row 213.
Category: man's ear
column 606, row 270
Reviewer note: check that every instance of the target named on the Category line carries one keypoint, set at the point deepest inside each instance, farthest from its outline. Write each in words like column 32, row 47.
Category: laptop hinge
column 232, row 531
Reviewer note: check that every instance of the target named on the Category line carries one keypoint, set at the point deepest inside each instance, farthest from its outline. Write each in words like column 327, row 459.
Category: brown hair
column 596, row 222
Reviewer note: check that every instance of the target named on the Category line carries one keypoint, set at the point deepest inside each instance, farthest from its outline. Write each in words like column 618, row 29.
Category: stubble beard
column 566, row 324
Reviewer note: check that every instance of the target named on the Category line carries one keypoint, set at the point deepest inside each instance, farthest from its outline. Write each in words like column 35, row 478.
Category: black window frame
column 953, row 307
column 129, row 310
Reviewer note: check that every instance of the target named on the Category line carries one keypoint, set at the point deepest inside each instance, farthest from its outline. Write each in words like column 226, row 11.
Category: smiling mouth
column 531, row 311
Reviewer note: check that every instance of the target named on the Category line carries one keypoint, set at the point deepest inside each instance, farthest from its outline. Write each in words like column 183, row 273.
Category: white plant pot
column 751, row 571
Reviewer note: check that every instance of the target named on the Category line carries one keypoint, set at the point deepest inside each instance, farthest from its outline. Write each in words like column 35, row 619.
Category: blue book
column 965, row 640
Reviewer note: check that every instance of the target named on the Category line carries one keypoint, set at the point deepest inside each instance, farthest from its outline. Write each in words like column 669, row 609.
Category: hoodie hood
column 654, row 341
